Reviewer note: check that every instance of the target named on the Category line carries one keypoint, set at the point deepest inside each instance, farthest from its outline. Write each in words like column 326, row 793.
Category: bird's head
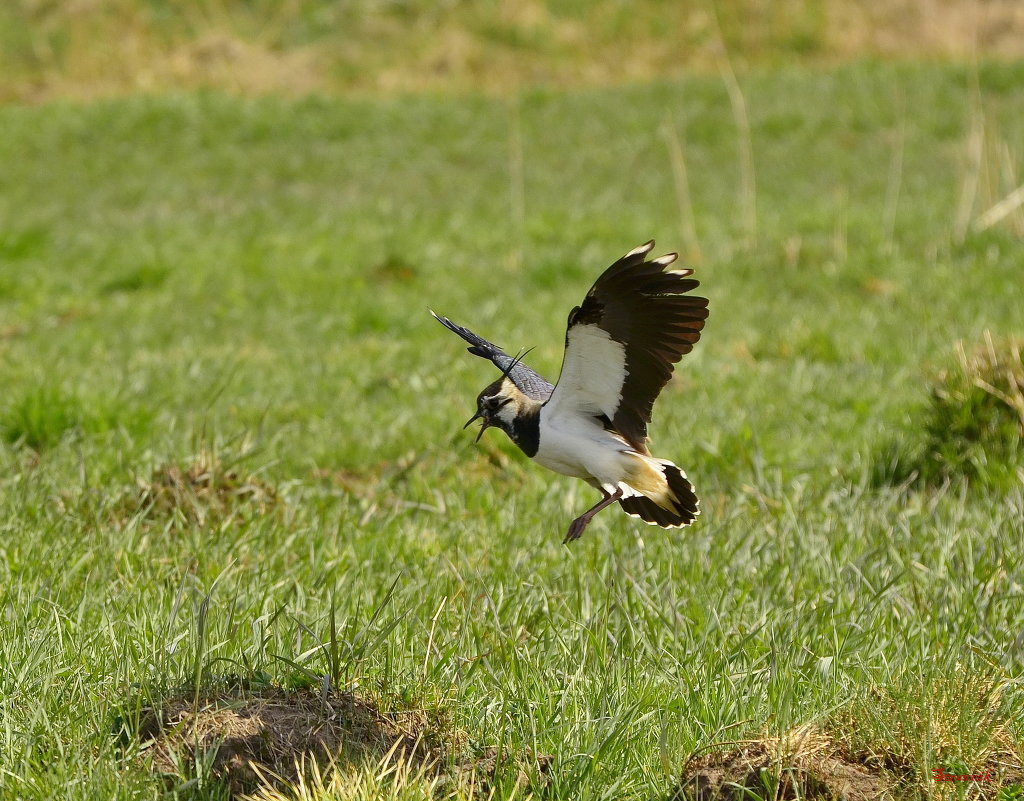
column 498, row 406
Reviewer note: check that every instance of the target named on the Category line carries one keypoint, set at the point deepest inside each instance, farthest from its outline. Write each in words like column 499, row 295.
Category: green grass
column 193, row 274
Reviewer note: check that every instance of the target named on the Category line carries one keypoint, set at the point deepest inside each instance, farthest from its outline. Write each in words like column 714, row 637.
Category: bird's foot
column 576, row 528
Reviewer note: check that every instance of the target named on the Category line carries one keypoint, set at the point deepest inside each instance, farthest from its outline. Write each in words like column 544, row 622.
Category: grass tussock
column 978, row 404
column 973, row 424
column 387, row 780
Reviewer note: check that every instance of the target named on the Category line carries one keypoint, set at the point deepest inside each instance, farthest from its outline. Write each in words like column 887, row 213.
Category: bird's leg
column 580, row 523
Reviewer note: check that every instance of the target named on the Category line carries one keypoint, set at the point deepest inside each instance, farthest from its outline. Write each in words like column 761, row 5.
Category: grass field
column 231, row 450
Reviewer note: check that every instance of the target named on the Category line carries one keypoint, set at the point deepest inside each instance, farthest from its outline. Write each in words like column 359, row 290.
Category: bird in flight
column 621, row 344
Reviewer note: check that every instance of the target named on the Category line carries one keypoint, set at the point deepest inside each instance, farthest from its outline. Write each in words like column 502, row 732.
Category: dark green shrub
column 972, row 424
column 975, row 419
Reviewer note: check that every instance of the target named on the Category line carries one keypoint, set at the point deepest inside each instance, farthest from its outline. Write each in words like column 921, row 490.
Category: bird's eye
column 492, row 402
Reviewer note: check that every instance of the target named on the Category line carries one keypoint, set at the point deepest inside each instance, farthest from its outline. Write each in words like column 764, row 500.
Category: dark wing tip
column 446, row 322
column 455, row 329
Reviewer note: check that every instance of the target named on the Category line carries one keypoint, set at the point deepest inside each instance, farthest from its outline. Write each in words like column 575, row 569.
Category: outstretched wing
column 528, row 382
column 621, row 343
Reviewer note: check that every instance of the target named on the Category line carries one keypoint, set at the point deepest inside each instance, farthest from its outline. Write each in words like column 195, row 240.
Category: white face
column 500, row 404
column 507, row 410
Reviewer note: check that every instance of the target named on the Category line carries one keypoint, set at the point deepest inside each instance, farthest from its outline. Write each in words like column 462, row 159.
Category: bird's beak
column 483, row 428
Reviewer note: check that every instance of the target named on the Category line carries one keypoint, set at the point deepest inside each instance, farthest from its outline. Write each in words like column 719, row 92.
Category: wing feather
column 621, row 344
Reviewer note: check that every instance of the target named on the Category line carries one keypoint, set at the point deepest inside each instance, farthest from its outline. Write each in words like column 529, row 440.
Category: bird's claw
column 576, row 528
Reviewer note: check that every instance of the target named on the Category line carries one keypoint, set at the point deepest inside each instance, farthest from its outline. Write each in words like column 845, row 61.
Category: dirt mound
column 252, row 740
column 243, row 736
column 802, row 765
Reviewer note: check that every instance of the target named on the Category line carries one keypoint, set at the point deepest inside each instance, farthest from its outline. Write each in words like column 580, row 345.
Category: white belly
column 581, row 448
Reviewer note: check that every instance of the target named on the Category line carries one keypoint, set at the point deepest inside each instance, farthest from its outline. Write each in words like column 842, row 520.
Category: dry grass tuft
column 205, row 491
column 875, row 750
column 12, row 331
column 803, row 764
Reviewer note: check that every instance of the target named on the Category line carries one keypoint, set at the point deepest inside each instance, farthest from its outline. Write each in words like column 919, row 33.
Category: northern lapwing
column 621, row 343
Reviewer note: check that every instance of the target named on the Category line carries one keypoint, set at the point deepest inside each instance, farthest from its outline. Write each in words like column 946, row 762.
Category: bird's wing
column 621, row 343
column 528, row 382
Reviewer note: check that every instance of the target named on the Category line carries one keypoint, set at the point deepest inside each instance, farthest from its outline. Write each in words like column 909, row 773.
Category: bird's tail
column 673, row 505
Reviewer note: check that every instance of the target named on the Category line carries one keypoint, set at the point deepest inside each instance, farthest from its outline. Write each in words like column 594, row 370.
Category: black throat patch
column 525, row 431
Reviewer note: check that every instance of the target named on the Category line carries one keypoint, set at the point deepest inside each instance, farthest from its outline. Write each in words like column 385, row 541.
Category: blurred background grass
column 89, row 48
